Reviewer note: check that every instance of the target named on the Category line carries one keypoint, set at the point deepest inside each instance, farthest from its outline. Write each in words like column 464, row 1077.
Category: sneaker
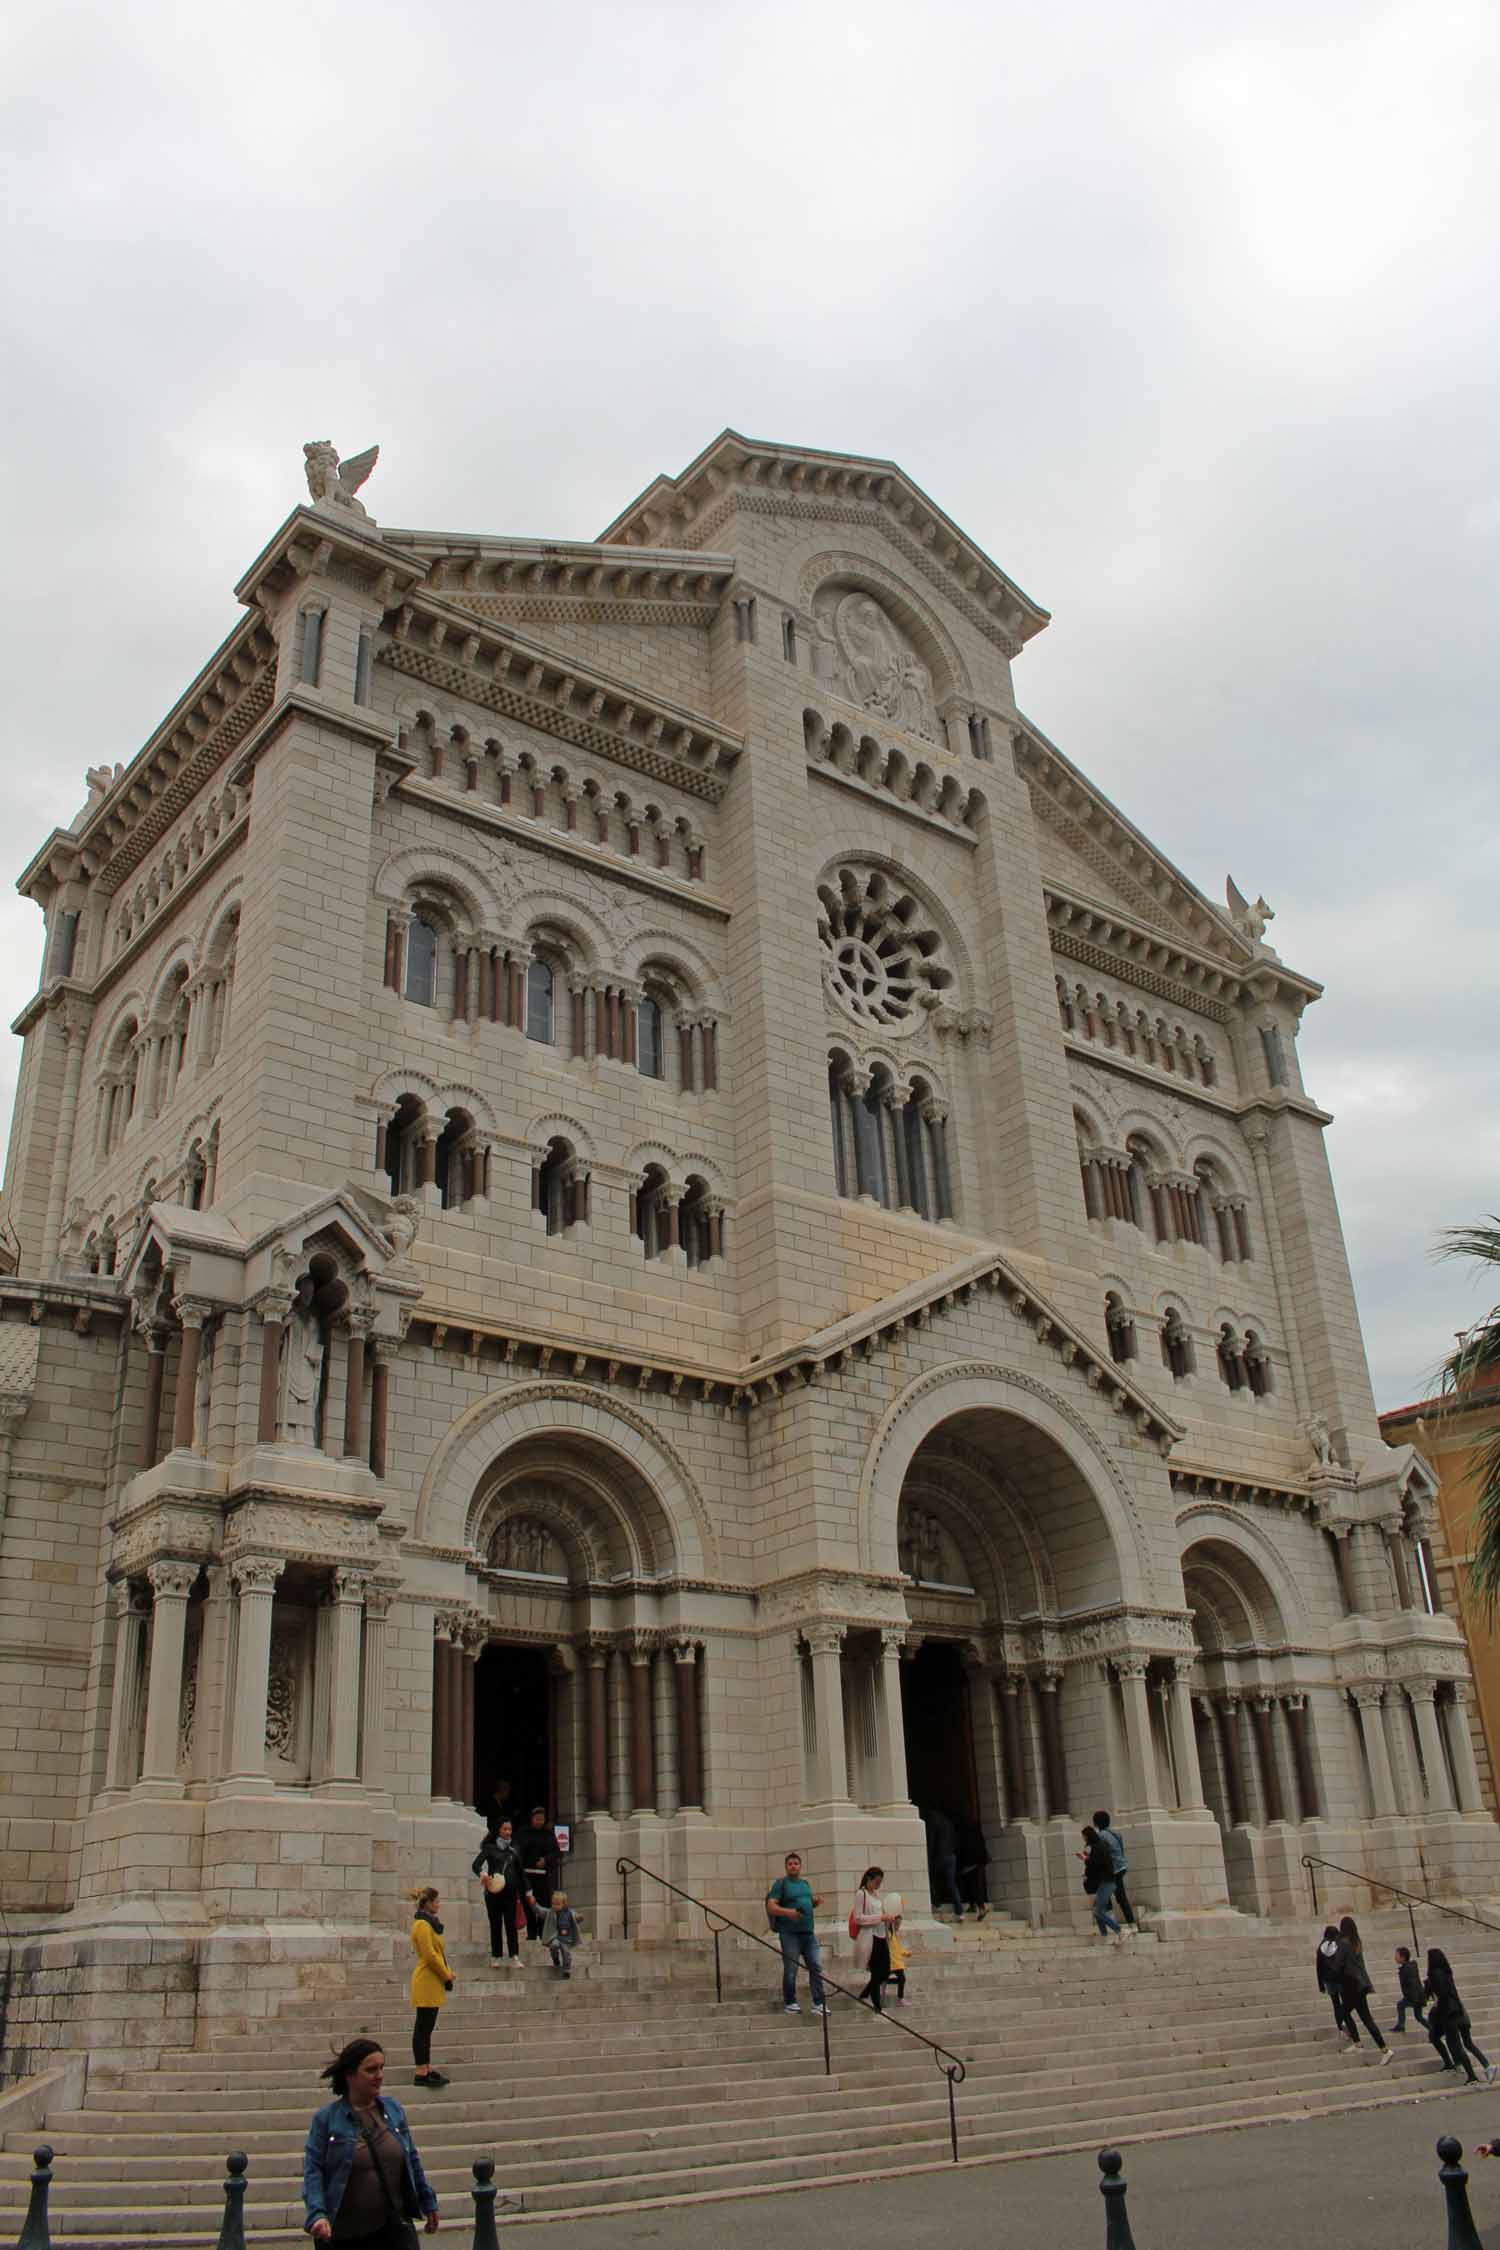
column 432, row 2078
column 791, row 2008
column 1489, row 2073
column 819, row 2009
column 1388, row 2057
column 903, row 2002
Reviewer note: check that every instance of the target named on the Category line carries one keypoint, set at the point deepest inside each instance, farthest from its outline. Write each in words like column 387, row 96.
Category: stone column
column 131, row 1611
column 322, row 1681
column 1226, row 1722
column 210, row 1699
column 460, row 1715
column 621, row 1761
column 359, row 1323
column 596, row 1661
column 1270, row 1778
column 171, row 1584
column 74, row 1025
column 1049, row 1700
column 1382, row 1786
column 1461, row 1747
column 1184, row 1741
column 891, row 1787
column 1395, row 1541
column 349, row 1589
column 830, row 1755
column 384, row 1349
column 255, row 1585
column 192, row 1312
column 1139, row 1747
column 689, row 1748
column 1307, row 1780
column 1018, row 1798
column 642, row 1748
column 441, row 1681
column 156, row 1368
column 372, row 1681
column 1423, row 1695
column 663, row 1736
column 272, row 1306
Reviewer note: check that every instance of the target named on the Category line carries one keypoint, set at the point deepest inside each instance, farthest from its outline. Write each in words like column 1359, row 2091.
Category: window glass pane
column 648, row 1039
column 421, row 963
column 539, row 1001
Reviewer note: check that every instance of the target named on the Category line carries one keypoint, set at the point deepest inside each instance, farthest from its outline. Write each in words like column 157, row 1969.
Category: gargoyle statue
column 1249, row 920
column 335, row 481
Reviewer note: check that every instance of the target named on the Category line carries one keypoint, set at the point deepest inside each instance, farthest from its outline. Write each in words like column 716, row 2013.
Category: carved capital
column 256, row 1574
column 271, row 1304
column 684, row 1652
column 195, row 1312
column 1368, row 1694
column 378, row 1601
column 129, row 1598
column 351, row 1585
column 823, row 1640
column 1131, row 1667
column 172, row 1581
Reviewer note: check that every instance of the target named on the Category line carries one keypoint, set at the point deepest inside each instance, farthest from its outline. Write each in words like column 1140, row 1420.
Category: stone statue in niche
column 881, row 671
column 304, row 1350
column 919, row 1546
column 1315, row 1430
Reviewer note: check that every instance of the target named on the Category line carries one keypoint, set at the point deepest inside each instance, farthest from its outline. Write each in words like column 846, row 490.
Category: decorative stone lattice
column 882, row 958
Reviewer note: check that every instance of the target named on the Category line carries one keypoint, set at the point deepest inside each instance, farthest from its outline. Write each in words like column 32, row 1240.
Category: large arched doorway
column 1005, row 1547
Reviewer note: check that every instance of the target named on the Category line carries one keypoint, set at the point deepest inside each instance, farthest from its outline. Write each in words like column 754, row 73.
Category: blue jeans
column 1104, row 1898
column 945, row 1882
column 800, row 1945
column 1401, row 2008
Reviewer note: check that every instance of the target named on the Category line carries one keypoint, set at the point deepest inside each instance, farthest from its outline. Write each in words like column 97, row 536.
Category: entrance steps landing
column 629, row 2087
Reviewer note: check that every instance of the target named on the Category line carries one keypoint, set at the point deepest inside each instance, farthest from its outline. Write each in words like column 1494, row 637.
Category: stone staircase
column 629, row 2086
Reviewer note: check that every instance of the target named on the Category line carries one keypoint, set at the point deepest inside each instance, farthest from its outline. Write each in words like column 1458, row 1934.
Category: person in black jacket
column 498, row 1856
column 1409, row 1978
column 1328, row 1957
column 1448, row 2027
column 542, row 1862
column 1356, row 1984
column 1099, row 1882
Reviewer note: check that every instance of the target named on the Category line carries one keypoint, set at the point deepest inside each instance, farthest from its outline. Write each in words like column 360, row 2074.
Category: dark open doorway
column 939, row 1736
column 514, row 1739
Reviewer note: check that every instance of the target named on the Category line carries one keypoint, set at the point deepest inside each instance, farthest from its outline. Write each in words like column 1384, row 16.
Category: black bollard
column 37, row 2232
column 232, row 2232
column 484, row 2192
column 1462, row 2234
column 1117, row 2234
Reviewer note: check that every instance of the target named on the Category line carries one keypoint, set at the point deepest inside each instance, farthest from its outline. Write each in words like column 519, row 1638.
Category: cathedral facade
column 628, row 1191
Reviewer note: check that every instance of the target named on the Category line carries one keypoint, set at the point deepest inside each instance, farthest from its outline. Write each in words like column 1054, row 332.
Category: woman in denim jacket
column 362, row 2179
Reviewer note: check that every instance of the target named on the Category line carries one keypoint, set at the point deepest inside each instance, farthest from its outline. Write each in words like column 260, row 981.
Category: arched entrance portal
column 516, row 1732
column 1028, row 1699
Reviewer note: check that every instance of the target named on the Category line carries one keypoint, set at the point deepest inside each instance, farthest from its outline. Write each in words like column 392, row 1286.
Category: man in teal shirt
column 790, row 1902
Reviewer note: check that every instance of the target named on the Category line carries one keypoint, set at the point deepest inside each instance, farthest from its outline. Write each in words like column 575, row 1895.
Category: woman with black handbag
column 362, row 2179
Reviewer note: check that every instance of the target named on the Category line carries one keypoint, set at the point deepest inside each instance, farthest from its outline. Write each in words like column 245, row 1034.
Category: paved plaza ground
column 1368, row 2181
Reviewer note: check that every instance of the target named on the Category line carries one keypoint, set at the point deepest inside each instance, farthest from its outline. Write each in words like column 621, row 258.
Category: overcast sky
column 1187, row 314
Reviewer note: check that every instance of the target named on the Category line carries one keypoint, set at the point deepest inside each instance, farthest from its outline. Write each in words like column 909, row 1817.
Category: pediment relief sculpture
column 520, row 1543
column 872, row 663
column 928, row 1553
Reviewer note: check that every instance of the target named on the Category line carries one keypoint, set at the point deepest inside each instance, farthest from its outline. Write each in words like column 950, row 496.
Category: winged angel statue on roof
column 333, row 481
column 1249, row 920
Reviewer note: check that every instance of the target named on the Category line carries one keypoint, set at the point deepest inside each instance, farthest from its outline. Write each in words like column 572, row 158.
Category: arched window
column 559, row 1192
column 1230, row 1358
column 398, row 1145
column 539, row 1002
column 841, row 1122
column 195, row 1172
column 653, row 1213
column 454, row 1162
column 1258, row 1371
column 421, row 962
column 1119, row 1327
column 1148, row 1207
column 698, row 1224
column 1177, row 1352
column 649, row 1025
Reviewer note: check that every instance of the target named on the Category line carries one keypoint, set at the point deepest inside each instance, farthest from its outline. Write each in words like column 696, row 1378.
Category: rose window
column 882, row 958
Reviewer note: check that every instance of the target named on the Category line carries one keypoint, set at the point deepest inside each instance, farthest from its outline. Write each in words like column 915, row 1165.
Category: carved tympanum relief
column 928, row 1553
column 869, row 659
column 521, row 1543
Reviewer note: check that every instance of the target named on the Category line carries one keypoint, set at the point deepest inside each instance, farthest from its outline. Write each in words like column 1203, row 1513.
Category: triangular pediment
column 736, row 474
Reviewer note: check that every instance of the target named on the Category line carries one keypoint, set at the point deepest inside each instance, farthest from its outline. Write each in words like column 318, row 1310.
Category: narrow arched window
column 838, row 1118
column 1258, row 1365
column 560, row 1192
column 648, row 1038
column 421, row 963
column 539, row 1002
column 453, row 1163
column 652, row 1211
column 1177, row 1346
column 1119, row 1327
column 1231, row 1359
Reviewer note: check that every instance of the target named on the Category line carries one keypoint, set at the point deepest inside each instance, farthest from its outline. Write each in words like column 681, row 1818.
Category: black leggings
column 1455, row 2043
column 1358, row 2004
column 880, row 1972
column 421, row 2037
column 500, row 1908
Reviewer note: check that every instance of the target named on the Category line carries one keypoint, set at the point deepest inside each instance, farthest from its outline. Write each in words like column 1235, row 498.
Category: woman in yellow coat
column 431, row 1983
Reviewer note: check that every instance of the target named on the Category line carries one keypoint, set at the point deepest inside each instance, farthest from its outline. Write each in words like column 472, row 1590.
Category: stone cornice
column 570, row 579
column 1202, row 1483
column 314, row 539
column 364, row 725
column 739, row 472
column 455, row 652
column 1103, row 937
column 819, row 1356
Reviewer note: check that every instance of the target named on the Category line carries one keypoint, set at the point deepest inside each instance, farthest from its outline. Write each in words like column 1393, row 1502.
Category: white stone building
column 624, row 1179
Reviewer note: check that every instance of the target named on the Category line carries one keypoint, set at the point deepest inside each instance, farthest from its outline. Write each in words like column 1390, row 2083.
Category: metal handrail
column 951, row 2065
column 1413, row 1899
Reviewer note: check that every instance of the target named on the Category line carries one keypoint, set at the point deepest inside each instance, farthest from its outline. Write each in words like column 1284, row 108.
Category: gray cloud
column 1187, row 316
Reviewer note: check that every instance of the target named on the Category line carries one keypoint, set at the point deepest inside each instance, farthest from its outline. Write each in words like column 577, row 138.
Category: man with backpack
column 789, row 1904
column 1113, row 1843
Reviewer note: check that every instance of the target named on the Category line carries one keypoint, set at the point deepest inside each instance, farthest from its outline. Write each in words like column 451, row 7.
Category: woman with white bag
column 497, row 1863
